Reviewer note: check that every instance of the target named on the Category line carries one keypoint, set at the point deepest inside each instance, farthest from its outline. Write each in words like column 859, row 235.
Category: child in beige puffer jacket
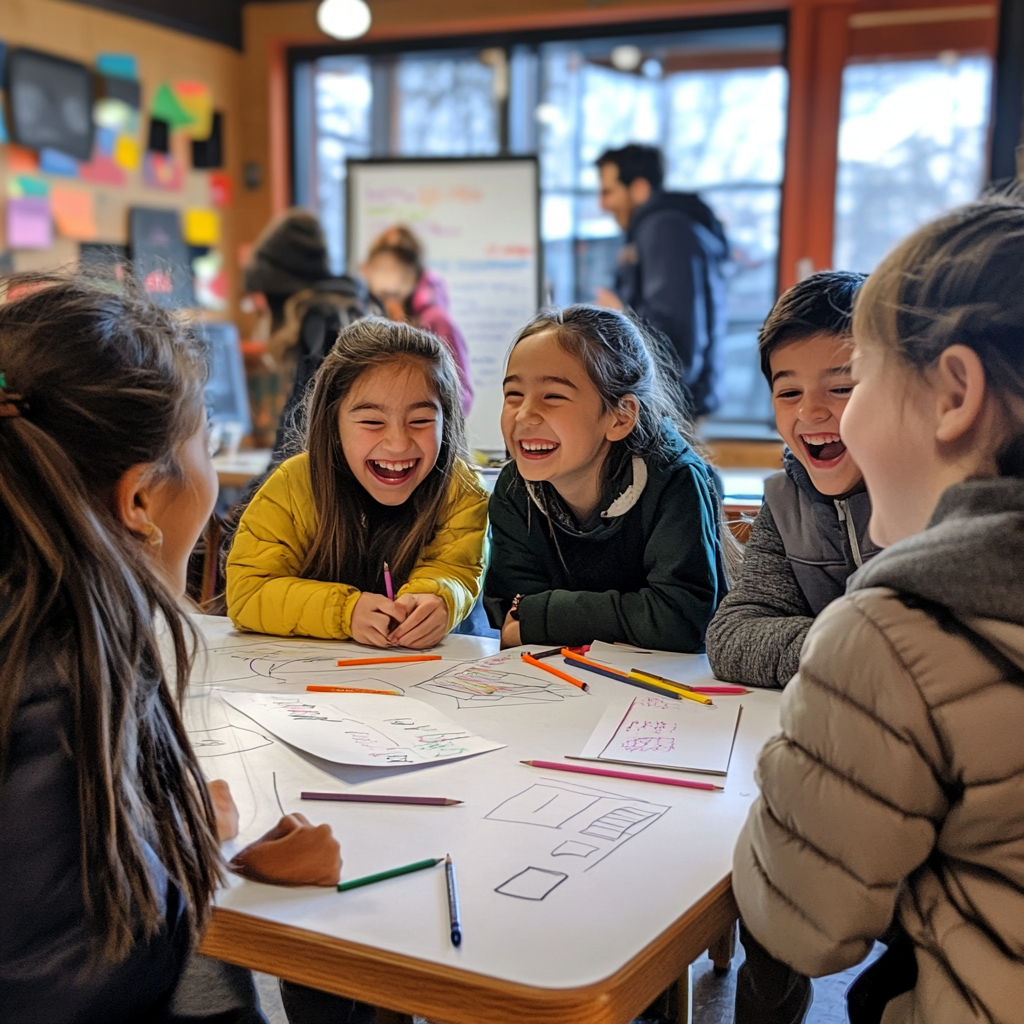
column 897, row 783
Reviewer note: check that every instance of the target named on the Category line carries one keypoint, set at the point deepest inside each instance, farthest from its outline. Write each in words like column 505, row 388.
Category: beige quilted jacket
column 897, row 783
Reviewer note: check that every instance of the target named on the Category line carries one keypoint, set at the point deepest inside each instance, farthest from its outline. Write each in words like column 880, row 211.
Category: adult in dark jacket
column 670, row 270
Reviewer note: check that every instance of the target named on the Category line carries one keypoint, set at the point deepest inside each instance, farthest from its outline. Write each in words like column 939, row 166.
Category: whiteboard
column 479, row 223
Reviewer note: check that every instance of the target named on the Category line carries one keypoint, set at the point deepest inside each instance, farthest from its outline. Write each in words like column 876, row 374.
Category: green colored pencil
column 390, row 873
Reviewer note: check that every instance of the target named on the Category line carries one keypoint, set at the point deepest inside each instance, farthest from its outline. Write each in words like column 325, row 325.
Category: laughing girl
column 605, row 523
column 384, row 479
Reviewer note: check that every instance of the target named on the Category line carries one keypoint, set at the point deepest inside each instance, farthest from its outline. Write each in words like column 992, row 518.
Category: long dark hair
column 343, row 549
column 97, row 380
column 622, row 357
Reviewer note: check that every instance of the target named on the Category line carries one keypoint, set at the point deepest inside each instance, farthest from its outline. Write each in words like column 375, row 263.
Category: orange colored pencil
column 353, row 662
column 349, row 689
column 530, row 660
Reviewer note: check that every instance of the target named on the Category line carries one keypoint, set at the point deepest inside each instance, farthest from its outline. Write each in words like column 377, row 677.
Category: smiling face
column 390, row 424
column 811, row 384
column 554, row 422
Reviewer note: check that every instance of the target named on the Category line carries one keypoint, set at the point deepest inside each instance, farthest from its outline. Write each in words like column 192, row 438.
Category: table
column 239, row 469
column 597, row 948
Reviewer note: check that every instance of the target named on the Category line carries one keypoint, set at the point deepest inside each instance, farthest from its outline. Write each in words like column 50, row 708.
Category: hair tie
column 10, row 404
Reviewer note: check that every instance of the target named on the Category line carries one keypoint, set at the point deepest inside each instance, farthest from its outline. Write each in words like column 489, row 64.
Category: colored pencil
column 552, row 651
column 609, row 672
column 350, row 689
column 586, row 770
column 453, row 900
column 387, row 582
column 530, row 660
column 717, row 688
column 382, row 798
column 661, row 691
column 727, row 690
column 595, row 666
column 380, row 876
column 355, row 662
column 645, row 677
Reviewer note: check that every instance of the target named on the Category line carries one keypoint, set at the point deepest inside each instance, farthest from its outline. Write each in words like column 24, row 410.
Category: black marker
column 453, row 900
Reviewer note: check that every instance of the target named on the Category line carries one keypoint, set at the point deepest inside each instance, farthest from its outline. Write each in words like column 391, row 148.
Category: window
column 714, row 100
column 912, row 144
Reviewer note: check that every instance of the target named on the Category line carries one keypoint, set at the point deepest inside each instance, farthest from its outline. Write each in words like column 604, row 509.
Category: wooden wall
column 80, row 33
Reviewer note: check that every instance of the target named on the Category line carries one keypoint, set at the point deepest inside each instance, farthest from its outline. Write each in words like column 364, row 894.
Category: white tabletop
column 617, row 894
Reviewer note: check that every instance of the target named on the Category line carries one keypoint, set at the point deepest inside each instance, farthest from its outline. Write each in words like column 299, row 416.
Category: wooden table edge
column 441, row 992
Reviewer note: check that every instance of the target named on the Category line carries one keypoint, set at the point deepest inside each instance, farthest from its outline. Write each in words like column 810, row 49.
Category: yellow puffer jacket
column 266, row 594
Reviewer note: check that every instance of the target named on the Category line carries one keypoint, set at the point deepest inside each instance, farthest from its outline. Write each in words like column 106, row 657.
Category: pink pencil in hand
column 387, row 583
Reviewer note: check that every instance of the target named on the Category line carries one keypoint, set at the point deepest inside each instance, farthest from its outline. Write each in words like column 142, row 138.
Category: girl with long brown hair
column 384, row 479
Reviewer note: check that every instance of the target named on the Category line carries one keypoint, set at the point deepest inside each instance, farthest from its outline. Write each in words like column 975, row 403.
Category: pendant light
column 344, row 19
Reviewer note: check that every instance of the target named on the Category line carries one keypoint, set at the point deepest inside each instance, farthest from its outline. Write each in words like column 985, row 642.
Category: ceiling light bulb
column 344, row 19
column 626, row 57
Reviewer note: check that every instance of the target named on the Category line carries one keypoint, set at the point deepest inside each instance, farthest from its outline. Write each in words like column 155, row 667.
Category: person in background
column 896, row 786
column 409, row 292
column 605, row 523
column 671, row 268
column 812, row 530
column 303, row 306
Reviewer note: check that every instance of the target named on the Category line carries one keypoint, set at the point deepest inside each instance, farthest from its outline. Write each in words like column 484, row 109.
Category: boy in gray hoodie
column 811, row 532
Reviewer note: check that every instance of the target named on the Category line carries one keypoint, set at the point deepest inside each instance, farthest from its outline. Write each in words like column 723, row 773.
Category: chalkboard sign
column 160, row 256
column 227, row 396
column 51, row 103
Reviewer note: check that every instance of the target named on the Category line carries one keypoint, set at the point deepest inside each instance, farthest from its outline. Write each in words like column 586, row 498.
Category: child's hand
column 424, row 621
column 510, row 632
column 224, row 810
column 293, row 852
column 373, row 617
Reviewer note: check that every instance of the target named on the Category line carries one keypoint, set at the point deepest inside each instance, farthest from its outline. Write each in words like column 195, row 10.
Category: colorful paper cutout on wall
column 4, row 137
column 220, row 189
column 28, row 223
column 160, row 170
column 74, row 212
column 20, row 186
column 52, row 161
column 211, row 281
column 167, row 107
column 126, row 152
column 118, row 65
column 102, row 170
column 202, row 227
column 104, row 142
column 196, row 100
column 21, row 160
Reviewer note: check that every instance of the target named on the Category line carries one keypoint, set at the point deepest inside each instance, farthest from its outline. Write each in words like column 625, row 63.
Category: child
column 896, row 784
column 395, row 274
column 605, row 522
column 811, row 532
column 384, row 480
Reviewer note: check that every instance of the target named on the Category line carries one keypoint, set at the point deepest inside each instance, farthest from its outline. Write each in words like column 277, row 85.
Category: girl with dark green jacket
column 605, row 523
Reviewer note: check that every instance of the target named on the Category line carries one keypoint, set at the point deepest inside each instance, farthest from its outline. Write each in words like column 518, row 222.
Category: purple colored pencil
column 381, row 798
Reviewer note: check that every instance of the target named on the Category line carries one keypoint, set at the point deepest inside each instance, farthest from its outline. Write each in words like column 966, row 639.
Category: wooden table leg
column 684, row 994
column 722, row 951
column 392, row 1017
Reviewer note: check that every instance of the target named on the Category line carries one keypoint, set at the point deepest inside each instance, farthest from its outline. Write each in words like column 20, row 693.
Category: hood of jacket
column 690, row 204
column 969, row 560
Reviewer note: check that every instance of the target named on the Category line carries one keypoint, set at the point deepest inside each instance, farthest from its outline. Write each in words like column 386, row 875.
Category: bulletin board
column 479, row 222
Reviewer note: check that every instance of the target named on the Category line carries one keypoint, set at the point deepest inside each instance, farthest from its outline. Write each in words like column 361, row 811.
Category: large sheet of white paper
column 659, row 732
column 361, row 729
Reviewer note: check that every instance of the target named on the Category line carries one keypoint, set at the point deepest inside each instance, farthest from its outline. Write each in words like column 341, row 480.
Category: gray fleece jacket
column 897, row 782
column 803, row 547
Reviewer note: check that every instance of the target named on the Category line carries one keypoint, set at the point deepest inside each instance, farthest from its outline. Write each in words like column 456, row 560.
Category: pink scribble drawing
column 649, row 726
column 649, row 744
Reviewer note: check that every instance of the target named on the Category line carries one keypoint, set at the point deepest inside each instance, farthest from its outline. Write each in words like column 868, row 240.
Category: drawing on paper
column 226, row 739
column 532, row 884
column 492, row 682
column 362, row 729
column 592, row 823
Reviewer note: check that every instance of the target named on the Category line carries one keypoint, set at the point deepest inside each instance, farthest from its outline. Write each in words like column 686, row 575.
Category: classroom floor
column 713, row 994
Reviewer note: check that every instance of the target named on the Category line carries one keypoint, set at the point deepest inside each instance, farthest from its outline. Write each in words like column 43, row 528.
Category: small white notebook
column 658, row 732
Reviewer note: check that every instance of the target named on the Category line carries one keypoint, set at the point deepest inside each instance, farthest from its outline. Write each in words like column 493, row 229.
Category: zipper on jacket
column 843, row 508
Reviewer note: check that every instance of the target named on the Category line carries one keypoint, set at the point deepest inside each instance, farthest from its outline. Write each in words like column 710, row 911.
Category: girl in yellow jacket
column 384, row 479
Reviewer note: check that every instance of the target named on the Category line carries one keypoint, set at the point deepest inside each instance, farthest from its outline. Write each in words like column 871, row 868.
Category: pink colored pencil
column 387, row 582
column 556, row 766
column 719, row 689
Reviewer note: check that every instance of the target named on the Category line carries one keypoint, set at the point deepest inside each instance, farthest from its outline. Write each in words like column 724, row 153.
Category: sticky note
column 21, row 185
column 53, row 161
column 167, row 107
column 220, row 189
column 74, row 210
column 113, row 114
column 118, row 65
column 126, row 152
column 196, row 99
column 21, row 160
column 202, row 227
column 101, row 170
column 28, row 223
column 160, row 170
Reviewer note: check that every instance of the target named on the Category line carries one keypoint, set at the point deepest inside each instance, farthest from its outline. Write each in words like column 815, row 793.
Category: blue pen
column 453, row 900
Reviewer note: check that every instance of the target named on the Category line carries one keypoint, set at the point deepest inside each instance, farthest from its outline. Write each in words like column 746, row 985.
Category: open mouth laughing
column 825, row 450
column 392, row 473
column 536, row 448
